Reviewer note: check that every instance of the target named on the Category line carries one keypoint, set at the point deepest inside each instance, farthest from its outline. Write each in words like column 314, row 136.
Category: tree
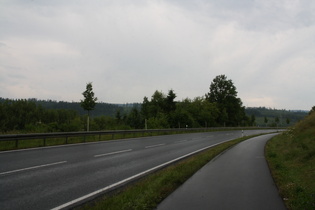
column 159, row 111
column 89, row 101
column 134, row 119
column 266, row 121
column 252, row 120
column 118, row 116
column 202, row 111
column 145, row 108
column 224, row 94
column 157, row 103
column 277, row 120
column 312, row 110
column 170, row 104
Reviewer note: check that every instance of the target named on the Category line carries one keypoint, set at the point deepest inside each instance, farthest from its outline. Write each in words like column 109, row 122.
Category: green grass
column 291, row 157
column 151, row 190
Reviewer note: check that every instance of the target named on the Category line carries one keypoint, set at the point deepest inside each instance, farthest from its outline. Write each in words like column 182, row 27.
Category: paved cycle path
column 237, row 179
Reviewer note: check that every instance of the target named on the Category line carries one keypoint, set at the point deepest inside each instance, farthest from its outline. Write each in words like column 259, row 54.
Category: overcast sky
column 129, row 49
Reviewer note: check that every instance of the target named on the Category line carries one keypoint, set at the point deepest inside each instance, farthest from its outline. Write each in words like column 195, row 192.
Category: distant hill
column 101, row 109
column 284, row 116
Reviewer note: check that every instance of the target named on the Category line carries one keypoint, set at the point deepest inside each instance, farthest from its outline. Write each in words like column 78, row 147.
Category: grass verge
column 148, row 192
column 291, row 158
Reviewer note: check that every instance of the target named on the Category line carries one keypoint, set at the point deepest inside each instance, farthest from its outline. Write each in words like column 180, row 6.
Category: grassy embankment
column 151, row 190
column 291, row 158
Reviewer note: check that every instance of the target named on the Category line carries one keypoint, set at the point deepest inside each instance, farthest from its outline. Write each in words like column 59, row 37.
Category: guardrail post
column 16, row 143
column 66, row 139
column 44, row 142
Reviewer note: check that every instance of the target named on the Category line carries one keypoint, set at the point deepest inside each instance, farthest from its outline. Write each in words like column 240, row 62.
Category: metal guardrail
column 66, row 135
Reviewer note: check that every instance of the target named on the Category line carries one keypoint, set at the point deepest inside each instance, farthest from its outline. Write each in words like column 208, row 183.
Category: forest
column 220, row 107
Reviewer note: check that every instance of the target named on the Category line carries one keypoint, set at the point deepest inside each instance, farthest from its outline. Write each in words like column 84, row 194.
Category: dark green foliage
column 102, row 109
column 221, row 90
column 196, row 113
column 89, row 101
column 277, row 120
column 267, row 116
column 266, row 120
column 159, row 110
column 223, row 93
column 36, row 116
column 162, row 111
column 107, row 123
column 134, row 119
column 118, row 115
column 27, row 116
column 312, row 110
column 253, row 120
column 170, row 104
column 220, row 107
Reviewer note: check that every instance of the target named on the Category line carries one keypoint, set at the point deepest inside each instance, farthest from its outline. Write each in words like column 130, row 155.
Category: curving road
column 57, row 177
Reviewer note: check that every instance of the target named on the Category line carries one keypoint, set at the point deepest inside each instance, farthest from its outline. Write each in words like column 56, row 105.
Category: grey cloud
column 129, row 49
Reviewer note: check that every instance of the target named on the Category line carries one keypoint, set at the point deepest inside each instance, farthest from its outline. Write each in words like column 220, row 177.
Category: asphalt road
column 238, row 179
column 51, row 177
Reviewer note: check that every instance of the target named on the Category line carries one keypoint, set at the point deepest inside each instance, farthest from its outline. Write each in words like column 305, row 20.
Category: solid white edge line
column 157, row 145
column 131, row 178
column 113, row 153
column 33, row 167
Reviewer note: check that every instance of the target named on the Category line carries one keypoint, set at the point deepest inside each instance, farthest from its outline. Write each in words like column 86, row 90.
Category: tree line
column 26, row 115
column 272, row 117
column 219, row 107
column 101, row 109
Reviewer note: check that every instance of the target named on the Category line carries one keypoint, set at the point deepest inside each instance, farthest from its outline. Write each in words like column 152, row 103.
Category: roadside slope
column 291, row 157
